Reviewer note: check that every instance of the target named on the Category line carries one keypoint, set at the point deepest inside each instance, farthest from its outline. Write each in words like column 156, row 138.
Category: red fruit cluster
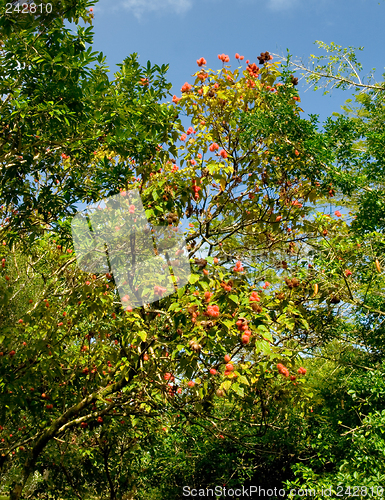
column 237, row 56
column 208, row 296
column 191, row 383
column 283, row 370
column 172, row 390
column 348, row 273
column 169, row 376
column 100, row 420
column 201, row 62
column 228, row 369
column 264, row 57
column 213, row 371
column 202, row 76
column 194, row 315
column 196, row 190
column 223, row 57
column 64, row 156
column 214, row 147
column 186, row 87
column 213, row 311
column 223, row 153
column 253, row 70
column 238, row 267
column 83, row 425
column 246, row 333
column 254, row 297
column 159, row 290
column 302, row 370
column 226, row 286
column 242, row 325
column 175, row 99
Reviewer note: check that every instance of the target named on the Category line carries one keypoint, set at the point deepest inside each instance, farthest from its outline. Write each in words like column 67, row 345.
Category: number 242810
column 31, row 8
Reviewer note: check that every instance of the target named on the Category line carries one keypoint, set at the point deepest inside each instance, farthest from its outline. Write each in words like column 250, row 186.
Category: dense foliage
column 267, row 365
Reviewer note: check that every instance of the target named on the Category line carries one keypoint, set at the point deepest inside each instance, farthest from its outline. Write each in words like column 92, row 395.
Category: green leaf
column 228, row 323
column 175, row 307
column 142, row 335
column 237, row 389
column 243, row 380
column 194, row 278
column 225, row 385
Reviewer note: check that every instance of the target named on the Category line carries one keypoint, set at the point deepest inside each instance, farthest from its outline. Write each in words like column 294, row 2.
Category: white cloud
column 139, row 8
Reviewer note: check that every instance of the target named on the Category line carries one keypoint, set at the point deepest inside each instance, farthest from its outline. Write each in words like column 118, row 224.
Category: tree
column 58, row 116
column 153, row 351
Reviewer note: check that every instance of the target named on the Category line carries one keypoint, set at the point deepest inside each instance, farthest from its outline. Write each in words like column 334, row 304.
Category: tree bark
column 110, row 483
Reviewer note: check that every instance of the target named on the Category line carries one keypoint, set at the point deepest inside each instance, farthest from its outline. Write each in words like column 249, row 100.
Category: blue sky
column 178, row 32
